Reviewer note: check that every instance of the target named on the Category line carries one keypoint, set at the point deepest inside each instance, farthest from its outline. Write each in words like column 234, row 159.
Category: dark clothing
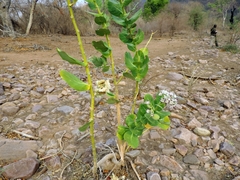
column 213, row 32
column 214, row 35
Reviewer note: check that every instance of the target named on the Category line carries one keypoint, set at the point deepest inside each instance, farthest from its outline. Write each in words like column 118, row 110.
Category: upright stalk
column 89, row 79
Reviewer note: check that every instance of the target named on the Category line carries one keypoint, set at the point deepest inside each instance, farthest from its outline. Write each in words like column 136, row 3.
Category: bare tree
column 34, row 2
column 7, row 27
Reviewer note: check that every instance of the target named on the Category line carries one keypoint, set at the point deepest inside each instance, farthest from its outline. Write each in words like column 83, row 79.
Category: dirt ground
column 41, row 50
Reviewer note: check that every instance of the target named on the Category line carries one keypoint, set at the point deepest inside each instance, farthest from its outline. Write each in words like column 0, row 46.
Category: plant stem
column 89, row 79
column 135, row 96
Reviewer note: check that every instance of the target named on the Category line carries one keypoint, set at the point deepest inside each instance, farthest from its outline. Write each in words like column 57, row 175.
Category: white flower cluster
column 169, row 98
column 103, row 86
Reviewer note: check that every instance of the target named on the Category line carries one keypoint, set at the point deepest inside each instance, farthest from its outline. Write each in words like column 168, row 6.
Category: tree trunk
column 6, row 27
column 34, row 2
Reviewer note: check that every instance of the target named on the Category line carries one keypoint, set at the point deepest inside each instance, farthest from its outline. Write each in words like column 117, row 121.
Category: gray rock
column 154, row 135
column 168, row 152
column 170, row 164
column 52, row 98
column 32, row 124
column 14, row 97
column 201, row 100
column 65, row 109
column 235, row 160
column 215, row 130
column 23, row 168
column 237, row 178
column 194, row 123
column 16, row 149
column 219, row 162
column 181, row 149
column 227, row 104
column 184, row 135
column 35, row 94
column 199, row 175
column 53, row 163
column 40, row 90
column 201, row 131
column 227, row 149
column 9, row 108
column 211, row 153
column 174, row 76
column 1, row 89
column 36, row 107
column 133, row 153
column 153, row 176
column 191, row 159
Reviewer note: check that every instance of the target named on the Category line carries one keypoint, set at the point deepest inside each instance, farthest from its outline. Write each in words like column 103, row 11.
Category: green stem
column 135, row 96
column 89, row 79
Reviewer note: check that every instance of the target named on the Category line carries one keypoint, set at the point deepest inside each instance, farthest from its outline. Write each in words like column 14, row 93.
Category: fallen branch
column 25, row 135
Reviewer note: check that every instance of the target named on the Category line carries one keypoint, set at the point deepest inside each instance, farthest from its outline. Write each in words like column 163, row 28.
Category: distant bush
column 233, row 48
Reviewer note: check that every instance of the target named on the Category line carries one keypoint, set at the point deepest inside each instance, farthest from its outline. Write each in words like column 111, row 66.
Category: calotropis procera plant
column 151, row 112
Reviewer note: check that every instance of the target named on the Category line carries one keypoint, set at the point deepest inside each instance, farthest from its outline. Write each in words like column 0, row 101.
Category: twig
column 61, row 148
column 68, row 165
column 85, row 135
column 174, row 115
column 133, row 167
column 26, row 135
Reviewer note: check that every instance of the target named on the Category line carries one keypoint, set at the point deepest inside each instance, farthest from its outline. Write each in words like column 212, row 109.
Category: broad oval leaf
column 126, row 2
column 131, row 139
column 139, row 37
column 128, row 75
column 97, row 61
column 85, row 126
column 102, row 47
column 112, row 100
column 115, row 8
column 100, row 20
column 125, row 37
column 73, row 81
column 69, row 59
column 135, row 17
column 165, row 123
column 131, row 47
column 121, row 131
column 102, row 32
column 118, row 20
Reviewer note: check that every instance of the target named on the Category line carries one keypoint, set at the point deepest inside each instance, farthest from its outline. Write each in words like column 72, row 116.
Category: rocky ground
column 40, row 115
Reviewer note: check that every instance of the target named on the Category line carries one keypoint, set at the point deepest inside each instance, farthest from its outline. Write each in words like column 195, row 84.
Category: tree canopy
column 153, row 7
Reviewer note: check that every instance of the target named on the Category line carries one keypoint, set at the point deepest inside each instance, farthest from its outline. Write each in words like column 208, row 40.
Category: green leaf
column 91, row 4
column 131, row 139
column 102, row 47
column 85, row 126
column 164, row 114
column 125, row 37
column 97, row 61
column 112, row 100
column 126, row 2
column 156, row 117
column 149, row 98
column 135, row 17
column 110, row 94
column 121, row 131
column 130, row 120
column 115, row 8
column 144, row 51
column 139, row 37
column 150, row 120
column 164, row 123
column 69, row 59
column 100, row 20
column 73, row 81
column 129, row 62
column 118, row 20
column 102, row 32
column 105, row 68
column 128, row 75
column 131, row 47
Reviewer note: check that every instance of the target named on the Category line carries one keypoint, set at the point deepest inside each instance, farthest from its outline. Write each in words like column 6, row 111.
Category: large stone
column 1, row 89
column 9, row 108
column 16, row 149
column 174, row 76
column 153, row 176
column 201, row 131
column 191, row 159
column 170, row 164
column 227, row 149
column 199, row 175
column 184, row 135
column 65, row 109
column 23, row 168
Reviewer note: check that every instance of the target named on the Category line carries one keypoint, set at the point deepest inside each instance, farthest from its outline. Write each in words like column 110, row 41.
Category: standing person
column 214, row 36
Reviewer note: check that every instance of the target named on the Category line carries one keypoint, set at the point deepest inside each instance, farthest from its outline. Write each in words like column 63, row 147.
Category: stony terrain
column 40, row 115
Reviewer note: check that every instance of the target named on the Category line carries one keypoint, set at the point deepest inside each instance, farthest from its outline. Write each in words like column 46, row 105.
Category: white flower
column 169, row 98
column 103, row 86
